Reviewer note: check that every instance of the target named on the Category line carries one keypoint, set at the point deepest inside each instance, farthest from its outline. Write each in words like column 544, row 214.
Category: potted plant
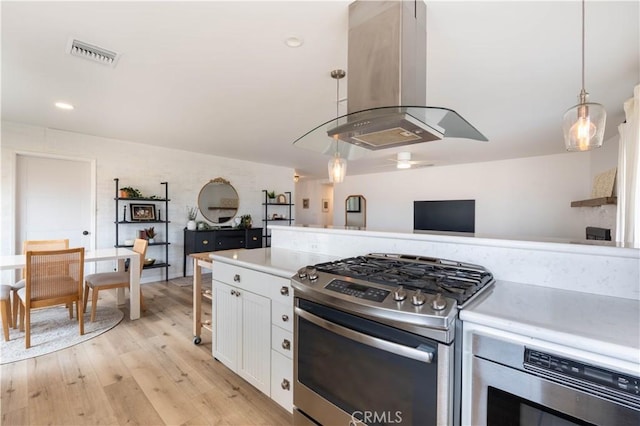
column 150, row 233
column 271, row 195
column 245, row 222
column 192, row 213
column 129, row 192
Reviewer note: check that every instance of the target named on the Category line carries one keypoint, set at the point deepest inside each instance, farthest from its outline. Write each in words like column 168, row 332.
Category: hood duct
column 387, row 85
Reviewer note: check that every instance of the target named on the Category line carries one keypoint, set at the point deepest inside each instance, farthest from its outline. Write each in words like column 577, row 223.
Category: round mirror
column 218, row 201
column 356, row 211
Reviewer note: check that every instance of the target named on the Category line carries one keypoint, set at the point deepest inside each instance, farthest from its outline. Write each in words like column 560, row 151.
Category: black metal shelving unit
column 288, row 220
column 122, row 220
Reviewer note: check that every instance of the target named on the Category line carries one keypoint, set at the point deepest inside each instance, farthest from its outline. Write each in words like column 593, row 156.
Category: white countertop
column 280, row 262
column 607, row 326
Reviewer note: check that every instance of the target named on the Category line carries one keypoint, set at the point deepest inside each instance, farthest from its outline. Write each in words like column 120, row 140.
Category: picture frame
column 325, row 205
column 305, row 203
column 142, row 212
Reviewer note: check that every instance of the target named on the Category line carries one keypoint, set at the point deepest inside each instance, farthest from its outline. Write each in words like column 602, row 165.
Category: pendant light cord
column 583, row 1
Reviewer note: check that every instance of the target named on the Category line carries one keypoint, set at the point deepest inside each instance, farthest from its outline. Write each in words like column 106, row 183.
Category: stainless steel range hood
column 387, row 85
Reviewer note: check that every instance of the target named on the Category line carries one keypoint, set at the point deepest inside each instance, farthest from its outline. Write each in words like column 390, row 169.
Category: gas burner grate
column 456, row 280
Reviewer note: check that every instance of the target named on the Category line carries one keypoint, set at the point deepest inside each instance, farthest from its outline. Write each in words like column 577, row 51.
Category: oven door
column 350, row 370
column 505, row 394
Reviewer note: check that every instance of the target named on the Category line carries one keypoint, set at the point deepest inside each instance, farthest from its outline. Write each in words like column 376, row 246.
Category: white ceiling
column 217, row 78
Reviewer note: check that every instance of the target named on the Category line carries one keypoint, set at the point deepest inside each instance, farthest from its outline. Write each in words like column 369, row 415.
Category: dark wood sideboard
column 219, row 239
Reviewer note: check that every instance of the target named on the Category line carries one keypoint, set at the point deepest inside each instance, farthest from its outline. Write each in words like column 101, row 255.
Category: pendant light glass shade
column 583, row 124
column 337, row 168
column 337, row 164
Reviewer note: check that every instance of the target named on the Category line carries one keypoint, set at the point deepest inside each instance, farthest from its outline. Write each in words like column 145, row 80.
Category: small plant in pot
column 271, row 195
column 150, row 233
column 192, row 213
column 245, row 222
column 129, row 192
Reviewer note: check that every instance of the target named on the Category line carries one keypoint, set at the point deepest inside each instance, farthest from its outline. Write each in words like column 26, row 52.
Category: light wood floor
column 145, row 372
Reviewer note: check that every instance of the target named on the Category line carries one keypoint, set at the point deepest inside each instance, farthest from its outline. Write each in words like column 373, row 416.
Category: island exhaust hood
column 387, row 85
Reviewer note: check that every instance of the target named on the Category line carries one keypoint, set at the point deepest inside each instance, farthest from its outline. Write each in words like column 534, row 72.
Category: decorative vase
column 191, row 225
column 152, row 240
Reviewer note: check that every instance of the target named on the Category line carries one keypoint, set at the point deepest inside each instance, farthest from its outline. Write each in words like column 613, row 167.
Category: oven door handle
column 406, row 351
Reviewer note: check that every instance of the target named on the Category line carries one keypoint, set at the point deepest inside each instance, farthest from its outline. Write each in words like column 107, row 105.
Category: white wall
column 142, row 167
column 525, row 198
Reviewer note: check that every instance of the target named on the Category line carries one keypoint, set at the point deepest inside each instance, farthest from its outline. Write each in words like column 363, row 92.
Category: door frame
column 92, row 200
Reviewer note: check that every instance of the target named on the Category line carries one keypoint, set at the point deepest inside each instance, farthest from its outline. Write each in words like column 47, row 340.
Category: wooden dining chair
column 53, row 277
column 5, row 310
column 108, row 280
column 33, row 245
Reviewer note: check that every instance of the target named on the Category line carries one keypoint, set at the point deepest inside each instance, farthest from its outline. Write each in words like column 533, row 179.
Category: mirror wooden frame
column 229, row 203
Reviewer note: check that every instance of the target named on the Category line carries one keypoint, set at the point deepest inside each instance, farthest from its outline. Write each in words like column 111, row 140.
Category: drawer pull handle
column 285, row 384
column 284, row 291
column 286, row 344
column 255, row 238
column 236, row 278
column 285, row 318
column 233, row 292
column 238, row 293
column 205, row 242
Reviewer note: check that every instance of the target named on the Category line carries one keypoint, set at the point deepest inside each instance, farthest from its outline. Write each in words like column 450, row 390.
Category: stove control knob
column 312, row 273
column 439, row 302
column 302, row 273
column 418, row 298
column 399, row 294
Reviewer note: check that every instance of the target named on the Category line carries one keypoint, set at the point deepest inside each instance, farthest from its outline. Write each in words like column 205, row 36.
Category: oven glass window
column 504, row 409
column 373, row 385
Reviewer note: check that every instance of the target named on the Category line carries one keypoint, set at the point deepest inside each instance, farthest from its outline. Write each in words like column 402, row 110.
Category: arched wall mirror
column 218, row 201
column 355, row 211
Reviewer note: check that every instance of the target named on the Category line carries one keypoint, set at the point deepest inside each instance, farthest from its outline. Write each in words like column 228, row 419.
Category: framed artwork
column 325, row 205
column 142, row 212
column 305, row 203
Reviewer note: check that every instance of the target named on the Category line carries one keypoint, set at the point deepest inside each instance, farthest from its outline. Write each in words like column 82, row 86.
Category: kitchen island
column 253, row 310
column 581, row 300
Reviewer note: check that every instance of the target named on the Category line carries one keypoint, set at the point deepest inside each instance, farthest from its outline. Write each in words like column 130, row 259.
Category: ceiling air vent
column 91, row 52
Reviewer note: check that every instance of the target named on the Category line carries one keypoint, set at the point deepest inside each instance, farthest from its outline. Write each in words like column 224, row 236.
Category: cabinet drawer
column 254, row 238
column 282, row 341
column 283, row 292
column 282, row 380
column 282, row 316
column 229, row 242
column 203, row 242
column 257, row 282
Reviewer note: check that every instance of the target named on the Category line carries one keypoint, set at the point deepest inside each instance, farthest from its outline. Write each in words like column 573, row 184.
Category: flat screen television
column 445, row 215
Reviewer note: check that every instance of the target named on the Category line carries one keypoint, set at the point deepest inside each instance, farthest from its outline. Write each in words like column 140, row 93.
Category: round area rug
column 52, row 330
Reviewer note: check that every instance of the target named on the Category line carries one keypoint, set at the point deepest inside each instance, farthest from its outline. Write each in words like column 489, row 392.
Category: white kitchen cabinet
column 243, row 333
column 254, row 330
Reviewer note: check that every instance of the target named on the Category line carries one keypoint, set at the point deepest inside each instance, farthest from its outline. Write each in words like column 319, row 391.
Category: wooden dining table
column 18, row 261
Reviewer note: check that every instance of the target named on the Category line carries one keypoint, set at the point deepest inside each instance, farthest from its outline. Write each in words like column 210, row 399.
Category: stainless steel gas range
column 375, row 339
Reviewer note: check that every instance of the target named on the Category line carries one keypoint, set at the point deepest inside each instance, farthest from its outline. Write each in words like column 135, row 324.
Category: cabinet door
column 255, row 362
column 227, row 335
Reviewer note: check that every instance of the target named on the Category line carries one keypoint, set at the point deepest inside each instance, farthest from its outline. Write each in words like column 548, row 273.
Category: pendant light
column 337, row 164
column 583, row 124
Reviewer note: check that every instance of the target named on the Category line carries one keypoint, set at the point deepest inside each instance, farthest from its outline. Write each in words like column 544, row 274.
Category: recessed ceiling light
column 63, row 105
column 294, row 41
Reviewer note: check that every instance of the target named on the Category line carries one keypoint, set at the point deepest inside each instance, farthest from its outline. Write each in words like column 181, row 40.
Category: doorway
column 55, row 198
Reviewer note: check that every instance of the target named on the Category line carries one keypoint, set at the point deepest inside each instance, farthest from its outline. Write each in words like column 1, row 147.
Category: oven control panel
column 586, row 372
column 358, row 290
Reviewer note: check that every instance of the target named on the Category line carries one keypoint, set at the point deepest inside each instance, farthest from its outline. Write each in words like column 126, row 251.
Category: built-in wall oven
column 375, row 339
column 513, row 384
